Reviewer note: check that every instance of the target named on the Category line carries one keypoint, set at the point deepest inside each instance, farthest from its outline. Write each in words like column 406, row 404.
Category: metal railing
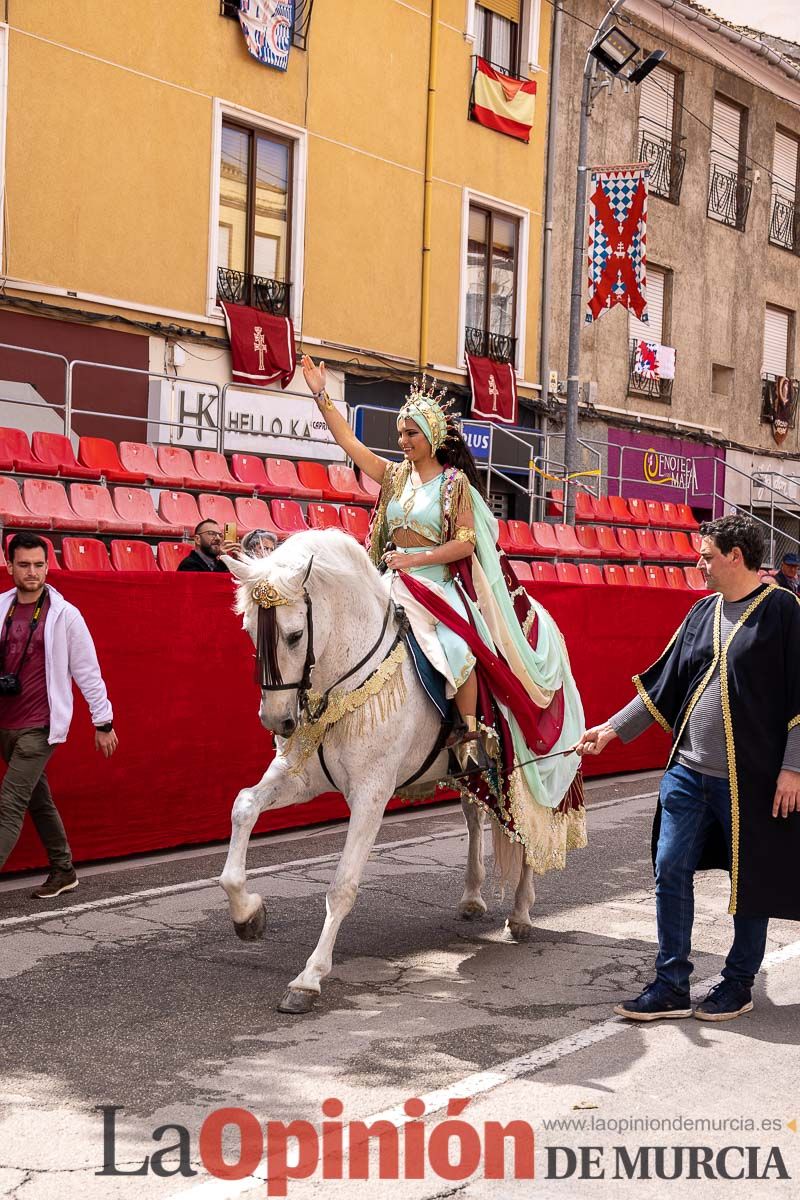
column 300, row 22
column 239, row 287
column 667, row 160
column 483, row 343
column 642, row 384
column 728, row 197
column 784, row 224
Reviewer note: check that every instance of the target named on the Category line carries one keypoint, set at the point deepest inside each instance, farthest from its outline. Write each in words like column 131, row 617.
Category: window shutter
column 784, row 166
column 657, row 103
column 776, row 341
column 726, row 135
column 653, row 330
column 504, row 8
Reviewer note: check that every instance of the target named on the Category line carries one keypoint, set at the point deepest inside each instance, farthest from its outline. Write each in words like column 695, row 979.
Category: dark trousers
column 25, row 789
column 690, row 804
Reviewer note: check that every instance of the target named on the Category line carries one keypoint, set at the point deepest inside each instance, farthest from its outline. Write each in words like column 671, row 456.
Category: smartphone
column 229, row 531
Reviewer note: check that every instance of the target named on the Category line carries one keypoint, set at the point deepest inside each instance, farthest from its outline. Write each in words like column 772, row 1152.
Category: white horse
column 334, row 615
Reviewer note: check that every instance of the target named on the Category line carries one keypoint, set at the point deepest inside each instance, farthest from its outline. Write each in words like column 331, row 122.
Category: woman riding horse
column 500, row 653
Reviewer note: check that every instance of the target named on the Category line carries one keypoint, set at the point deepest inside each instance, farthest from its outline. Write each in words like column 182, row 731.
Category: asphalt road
column 132, row 992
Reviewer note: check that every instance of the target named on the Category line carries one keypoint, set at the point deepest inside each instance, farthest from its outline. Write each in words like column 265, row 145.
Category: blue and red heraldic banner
column 494, row 390
column 262, row 346
column 267, row 29
column 618, row 240
column 501, row 102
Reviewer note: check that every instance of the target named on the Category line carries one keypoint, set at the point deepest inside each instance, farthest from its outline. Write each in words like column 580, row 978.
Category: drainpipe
column 549, row 192
column 425, row 301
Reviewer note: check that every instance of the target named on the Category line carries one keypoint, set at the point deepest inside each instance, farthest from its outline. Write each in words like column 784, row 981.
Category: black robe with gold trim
column 760, row 686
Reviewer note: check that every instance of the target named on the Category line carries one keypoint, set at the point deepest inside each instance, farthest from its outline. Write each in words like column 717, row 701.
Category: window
column 654, row 330
column 659, row 132
column 784, row 229
column 728, row 189
column 254, row 224
column 497, row 33
column 776, row 341
column 491, row 299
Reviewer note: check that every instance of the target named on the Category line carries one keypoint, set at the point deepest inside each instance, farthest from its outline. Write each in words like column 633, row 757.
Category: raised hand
column 313, row 375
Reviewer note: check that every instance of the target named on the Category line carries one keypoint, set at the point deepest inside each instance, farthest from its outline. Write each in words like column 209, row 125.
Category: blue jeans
column 691, row 804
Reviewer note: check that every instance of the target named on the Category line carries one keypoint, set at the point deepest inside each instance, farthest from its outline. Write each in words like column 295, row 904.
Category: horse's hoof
column 473, row 910
column 296, row 1001
column 518, row 931
column 252, row 929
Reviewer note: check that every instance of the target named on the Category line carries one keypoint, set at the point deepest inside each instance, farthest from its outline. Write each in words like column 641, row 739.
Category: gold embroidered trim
column 465, row 534
column 648, row 703
column 794, row 721
column 527, row 624
column 355, row 713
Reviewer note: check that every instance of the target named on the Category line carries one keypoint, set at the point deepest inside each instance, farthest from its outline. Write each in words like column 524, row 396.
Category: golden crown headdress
column 430, row 402
column 266, row 596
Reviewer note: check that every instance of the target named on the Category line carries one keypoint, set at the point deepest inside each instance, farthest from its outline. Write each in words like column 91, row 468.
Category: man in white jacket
column 44, row 645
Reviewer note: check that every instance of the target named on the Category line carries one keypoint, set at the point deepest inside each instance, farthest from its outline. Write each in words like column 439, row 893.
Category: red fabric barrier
column 179, row 671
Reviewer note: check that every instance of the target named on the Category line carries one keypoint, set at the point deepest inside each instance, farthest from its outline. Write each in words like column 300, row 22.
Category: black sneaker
column 56, row 883
column 725, row 1001
column 655, row 1002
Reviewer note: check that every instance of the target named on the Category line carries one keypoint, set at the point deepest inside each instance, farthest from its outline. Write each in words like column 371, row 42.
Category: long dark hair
column 456, row 453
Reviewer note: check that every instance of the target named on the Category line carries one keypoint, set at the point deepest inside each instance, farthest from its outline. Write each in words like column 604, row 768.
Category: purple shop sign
column 662, row 468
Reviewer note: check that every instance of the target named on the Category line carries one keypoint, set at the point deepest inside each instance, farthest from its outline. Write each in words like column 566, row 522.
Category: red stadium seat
column 503, row 537
column 655, row 576
column 635, row 575
column 343, row 480
column 588, row 540
column 584, row 507
column 544, row 536
column 568, row 544
column 138, row 458
column 590, row 573
column 85, row 554
column 101, row 455
column 687, row 517
column 16, row 454
column 14, row 511
column 284, row 480
column 48, row 499
column 288, row 516
column 567, row 573
column 355, row 521
column 672, row 518
column 135, row 504
column 312, row 475
column 638, row 511
column 621, row 513
column 555, row 503
column 55, row 451
column 603, row 510
column 610, row 545
column 252, row 513
column 648, row 548
column 372, row 488
column 92, row 503
column 520, row 538
column 221, row 510
column 322, row 516
column 522, row 570
column 543, row 572
column 214, row 471
column 52, row 562
column 176, row 462
column 615, row 575
column 695, row 541
column 169, row 555
column 249, row 469
column 179, row 509
column 655, row 512
column 695, row 579
column 676, row 579
column 666, row 546
column 683, row 547
column 628, row 542
column 132, row 556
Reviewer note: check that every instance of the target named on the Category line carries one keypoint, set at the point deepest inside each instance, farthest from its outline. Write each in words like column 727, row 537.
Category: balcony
column 728, row 197
column 482, row 343
column 644, row 385
column 301, row 22
column 667, row 161
column 784, row 225
column 238, row 287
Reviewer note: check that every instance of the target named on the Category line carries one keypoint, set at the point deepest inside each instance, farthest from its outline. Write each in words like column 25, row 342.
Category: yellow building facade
column 146, row 149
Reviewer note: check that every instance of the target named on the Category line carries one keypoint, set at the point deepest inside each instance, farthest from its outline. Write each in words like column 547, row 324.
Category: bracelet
column 107, row 728
column 323, row 395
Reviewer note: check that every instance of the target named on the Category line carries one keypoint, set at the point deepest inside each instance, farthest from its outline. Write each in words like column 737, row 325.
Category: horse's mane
column 335, row 554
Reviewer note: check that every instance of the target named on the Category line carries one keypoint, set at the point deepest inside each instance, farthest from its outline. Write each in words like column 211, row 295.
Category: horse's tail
column 508, row 859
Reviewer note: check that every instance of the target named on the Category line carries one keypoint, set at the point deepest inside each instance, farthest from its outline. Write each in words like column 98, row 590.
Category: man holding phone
column 208, row 546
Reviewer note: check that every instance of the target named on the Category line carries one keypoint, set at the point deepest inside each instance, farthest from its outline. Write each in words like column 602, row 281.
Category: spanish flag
column 501, row 102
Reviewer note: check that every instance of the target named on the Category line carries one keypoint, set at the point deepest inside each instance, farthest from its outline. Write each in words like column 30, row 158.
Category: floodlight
column 614, row 50
column 646, row 66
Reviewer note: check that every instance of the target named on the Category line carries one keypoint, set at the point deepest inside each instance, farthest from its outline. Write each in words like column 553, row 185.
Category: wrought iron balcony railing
column 238, row 287
column 482, row 343
column 643, row 385
column 301, row 22
column 667, row 161
column 784, row 225
column 728, row 197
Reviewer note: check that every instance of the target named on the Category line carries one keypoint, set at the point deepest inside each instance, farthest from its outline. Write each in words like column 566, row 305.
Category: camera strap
column 37, row 612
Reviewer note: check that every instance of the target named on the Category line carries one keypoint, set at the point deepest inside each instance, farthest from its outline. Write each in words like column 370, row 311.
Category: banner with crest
column 779, row 405
column 267, row 28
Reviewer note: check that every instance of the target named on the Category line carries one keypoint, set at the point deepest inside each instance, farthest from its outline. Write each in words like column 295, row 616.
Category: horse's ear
column 239, row 569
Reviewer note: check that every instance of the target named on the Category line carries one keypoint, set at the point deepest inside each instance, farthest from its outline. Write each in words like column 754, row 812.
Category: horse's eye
column 294, row 638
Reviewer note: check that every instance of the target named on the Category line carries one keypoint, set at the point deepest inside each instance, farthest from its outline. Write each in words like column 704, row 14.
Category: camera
column 10, row 685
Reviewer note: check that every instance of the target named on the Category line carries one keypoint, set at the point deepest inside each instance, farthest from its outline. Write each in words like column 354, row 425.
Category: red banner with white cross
column 494, row 390
column 262, row 346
